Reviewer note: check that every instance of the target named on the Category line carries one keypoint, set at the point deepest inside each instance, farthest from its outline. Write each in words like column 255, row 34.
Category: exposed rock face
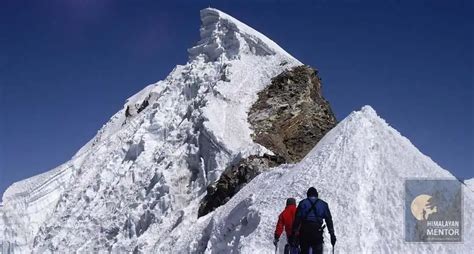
column 289, row 118
column 137, row 108
column 234, row 178
column 291, row 115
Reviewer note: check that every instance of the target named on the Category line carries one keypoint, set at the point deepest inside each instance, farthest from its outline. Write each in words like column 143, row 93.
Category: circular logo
column 421, row 207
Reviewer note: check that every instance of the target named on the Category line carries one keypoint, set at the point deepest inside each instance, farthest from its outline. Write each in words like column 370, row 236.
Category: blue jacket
column 320, row 212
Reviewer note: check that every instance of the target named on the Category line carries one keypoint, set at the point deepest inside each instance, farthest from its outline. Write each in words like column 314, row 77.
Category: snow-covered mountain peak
column 223, row 35
column 366, row 113
column 368, row 110
column 148, row 167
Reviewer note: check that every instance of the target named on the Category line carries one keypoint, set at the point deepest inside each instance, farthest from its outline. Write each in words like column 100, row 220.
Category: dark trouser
column 311, row 237
column 316, row 249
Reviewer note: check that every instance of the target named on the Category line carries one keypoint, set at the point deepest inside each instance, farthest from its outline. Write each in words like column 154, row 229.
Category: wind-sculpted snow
column 141, row 177
column 359, row 168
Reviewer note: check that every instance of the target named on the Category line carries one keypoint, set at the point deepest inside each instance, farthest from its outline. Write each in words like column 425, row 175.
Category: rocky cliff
column 289, row 117
column 291, row 114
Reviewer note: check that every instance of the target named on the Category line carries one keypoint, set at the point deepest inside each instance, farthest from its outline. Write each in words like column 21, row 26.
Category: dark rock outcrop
column 289, row 118
column 137, row 108
column 234, row 178
column 291, row 115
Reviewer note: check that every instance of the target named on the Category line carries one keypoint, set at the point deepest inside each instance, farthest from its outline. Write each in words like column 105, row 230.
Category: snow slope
column 155, row 157
column 359, row 168
column 470, row 183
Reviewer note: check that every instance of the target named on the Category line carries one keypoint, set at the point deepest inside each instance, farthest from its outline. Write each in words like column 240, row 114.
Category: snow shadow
column 134, row 151
column 240, row 222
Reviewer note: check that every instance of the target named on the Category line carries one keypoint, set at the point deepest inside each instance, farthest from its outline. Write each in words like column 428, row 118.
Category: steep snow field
column 136, row 186
column 359, row 168
column 141, row 173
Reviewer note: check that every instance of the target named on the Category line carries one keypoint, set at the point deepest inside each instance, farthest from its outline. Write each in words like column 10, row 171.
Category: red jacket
column 285, row 220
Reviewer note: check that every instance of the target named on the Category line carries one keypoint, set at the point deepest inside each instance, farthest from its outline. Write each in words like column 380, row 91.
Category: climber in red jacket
column 285, row 220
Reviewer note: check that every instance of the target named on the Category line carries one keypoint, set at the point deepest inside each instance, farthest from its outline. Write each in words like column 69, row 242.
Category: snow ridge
column 359, row 168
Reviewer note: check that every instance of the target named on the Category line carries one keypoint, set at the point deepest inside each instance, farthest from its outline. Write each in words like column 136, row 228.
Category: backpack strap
column 312, row 208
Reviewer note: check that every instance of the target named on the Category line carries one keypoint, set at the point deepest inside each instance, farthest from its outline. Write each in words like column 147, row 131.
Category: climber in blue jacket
column 308, row 223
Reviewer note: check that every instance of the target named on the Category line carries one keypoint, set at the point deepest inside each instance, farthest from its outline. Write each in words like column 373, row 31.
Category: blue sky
column 67, row 66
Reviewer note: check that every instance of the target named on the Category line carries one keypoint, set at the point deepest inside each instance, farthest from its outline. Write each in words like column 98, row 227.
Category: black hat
column 312, row 192
column 290, row 201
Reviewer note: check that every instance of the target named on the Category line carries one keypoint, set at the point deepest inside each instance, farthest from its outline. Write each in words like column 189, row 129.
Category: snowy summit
column 137, row 185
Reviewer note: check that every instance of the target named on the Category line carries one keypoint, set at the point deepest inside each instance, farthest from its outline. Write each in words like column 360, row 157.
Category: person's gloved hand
column 275, row 241
column 333, row 239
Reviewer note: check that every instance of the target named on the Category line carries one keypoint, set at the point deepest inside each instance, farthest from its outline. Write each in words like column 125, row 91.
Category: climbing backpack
column 312, row 228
